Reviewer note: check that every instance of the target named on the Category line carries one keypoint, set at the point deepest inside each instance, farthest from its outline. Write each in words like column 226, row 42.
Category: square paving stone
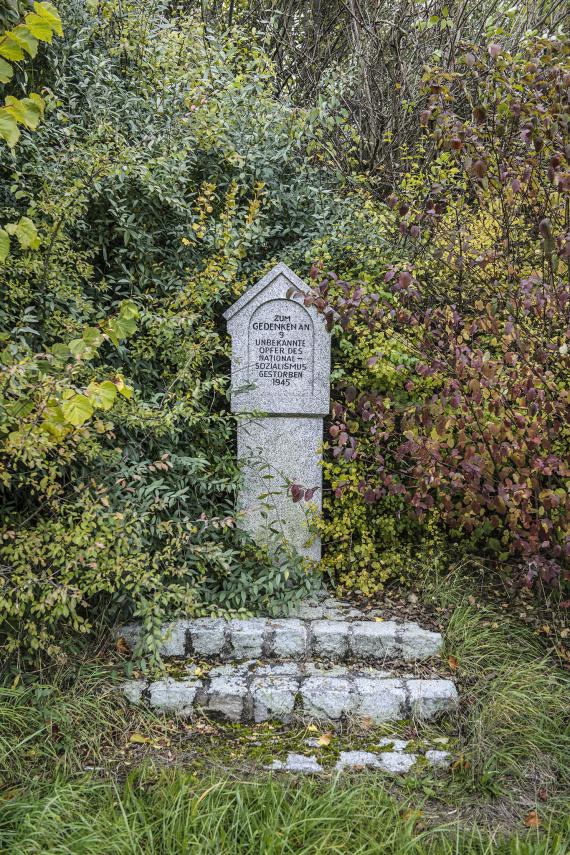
column 329, row 639
column 327, row 697
column 207, row 636
column 297, row 763
column 289, row 639
column 174, row 696
column 428, row 698
column 226, row 696
column 380, row 700
column 246, row 637
column 374, row 640
column 273, row 698
column 396, row 761
column 357, row 760
column 419, row 643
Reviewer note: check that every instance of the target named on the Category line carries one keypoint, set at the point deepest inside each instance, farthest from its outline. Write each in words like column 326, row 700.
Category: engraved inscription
column 281, row 343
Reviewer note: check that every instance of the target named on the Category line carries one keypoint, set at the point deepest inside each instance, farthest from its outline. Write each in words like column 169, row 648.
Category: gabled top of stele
column 280, row 269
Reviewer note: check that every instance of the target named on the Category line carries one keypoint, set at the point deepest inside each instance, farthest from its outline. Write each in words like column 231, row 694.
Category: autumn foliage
column 477, row 432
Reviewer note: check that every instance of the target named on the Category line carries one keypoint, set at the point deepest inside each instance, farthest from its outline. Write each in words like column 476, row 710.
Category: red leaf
column 296, row 492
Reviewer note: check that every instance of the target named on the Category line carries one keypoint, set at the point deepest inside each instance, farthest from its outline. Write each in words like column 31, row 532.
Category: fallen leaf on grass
column 200, row 727
column 532, row 819
column 461, row 763
column 139, row 739
column 453, row 662
column 122, row 647
column 325, row 738
column 313, row 728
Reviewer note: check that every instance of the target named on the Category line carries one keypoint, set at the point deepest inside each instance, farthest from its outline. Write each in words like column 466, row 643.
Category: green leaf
column 8, row 128
column 27, row 234
column 55, row 423
column 120, row 328
column 10, row 49
column 123, row 389
column 60, row 350
column 128, row 310
column 6, row 71
column 37, row 99
column 49, row 12
column 77, row 410
column 92, row 336
column 4, row 245
column 25, row 39
column 26, row 111
column 102, row 394
column 39, row 27
column 78, row 347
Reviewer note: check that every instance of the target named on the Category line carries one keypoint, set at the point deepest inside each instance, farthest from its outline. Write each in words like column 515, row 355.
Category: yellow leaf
column 139, row 739
column 378, row 619
column 325, row 739
column 313, row 728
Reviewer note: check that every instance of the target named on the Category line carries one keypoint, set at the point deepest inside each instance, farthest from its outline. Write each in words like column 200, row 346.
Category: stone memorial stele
column 280, row 386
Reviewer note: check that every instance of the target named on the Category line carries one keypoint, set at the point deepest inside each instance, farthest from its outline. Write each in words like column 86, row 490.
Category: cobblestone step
column 290, row 690
column 333, row 638
column 394, row 762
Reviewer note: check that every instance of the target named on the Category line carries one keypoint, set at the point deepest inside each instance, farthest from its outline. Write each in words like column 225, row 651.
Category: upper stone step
column 287, row 691
column 372, row 640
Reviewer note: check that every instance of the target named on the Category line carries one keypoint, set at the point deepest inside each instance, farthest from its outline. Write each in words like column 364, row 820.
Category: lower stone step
column 374, row 640
column 288, row 691
column 395, row 762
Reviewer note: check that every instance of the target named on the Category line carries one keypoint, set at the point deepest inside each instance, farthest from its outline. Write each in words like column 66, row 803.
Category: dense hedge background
column 173, row 160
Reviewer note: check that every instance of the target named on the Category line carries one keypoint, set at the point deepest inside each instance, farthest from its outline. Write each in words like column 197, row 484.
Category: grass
column 515, row 702
column 515, row 714
column 201, row 788
column 175, row 812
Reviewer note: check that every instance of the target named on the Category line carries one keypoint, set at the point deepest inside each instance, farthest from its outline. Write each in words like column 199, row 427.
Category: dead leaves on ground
column 532, row 819
column 140, row 739
column 122, row 647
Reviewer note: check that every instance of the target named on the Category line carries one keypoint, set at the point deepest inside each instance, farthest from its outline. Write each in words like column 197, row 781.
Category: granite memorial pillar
column 280, row 389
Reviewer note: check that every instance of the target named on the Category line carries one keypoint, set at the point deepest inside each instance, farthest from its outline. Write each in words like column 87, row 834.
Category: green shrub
column 164, row 178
